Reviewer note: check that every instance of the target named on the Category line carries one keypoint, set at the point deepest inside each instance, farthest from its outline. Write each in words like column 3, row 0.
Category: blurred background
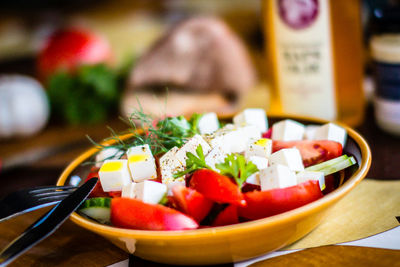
column 71, row 68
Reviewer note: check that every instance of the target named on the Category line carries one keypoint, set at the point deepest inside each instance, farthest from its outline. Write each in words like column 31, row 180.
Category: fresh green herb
column 194, row 122
column 164, row 200
column 87, row 96
column 194, row 163
column 235, row 166
column 173, row 131
column 167, row 133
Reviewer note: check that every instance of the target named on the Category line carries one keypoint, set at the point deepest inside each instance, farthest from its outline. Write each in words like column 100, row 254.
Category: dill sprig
column 160, row 135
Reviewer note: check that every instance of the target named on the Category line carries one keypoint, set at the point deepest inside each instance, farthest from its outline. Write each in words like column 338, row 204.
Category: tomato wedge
column 261, row 204
column 226, row 217
column 267, row 134
column 97, row 190
column 135, row 214
column 191, row 202
column 217, row 187
column 312, row 151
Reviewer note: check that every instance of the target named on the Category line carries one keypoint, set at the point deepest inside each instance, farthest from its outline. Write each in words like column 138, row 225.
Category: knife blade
column 47, row 224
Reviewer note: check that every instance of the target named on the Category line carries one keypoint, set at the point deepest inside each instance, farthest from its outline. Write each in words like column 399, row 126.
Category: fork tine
column 54, row 197
column 43, row 189
column 53, row 193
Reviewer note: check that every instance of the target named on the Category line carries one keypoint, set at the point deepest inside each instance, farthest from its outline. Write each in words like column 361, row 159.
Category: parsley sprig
column 194, row 163
column 236, row 167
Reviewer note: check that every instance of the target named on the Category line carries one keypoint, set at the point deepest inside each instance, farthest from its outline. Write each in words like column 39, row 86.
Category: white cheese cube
column 242, row 137
column 287, row 130
column 216, row 155
column 150, row 191
column 260, row 162
column 232, row 139
column 223, row 138
column 114, row 175
column 250, row 132
column 289, row 157
column 254, row 179
column 191, row 146
column 169, row 165
column 331, row 131
column 305, row 176
column 141, row 163
column 108, row 153
column 262, row 148
column 208, row 123
column 277, row 176
column 309, row 133
column 252, row 116
column 129, row 190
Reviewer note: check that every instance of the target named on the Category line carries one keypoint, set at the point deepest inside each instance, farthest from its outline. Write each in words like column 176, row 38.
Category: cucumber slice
column 339, row 166
column 326, row 164
column 97, row 208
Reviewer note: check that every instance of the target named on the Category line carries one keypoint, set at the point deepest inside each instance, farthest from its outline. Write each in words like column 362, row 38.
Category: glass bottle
column 315, row 58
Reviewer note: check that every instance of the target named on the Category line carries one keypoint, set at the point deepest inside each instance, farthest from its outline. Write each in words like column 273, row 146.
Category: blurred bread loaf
column 201, row 61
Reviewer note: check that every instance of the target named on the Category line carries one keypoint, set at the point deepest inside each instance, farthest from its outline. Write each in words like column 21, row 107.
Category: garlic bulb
column 24, row 108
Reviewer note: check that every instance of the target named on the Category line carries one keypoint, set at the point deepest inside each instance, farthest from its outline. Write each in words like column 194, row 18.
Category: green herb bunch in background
column 89, row 95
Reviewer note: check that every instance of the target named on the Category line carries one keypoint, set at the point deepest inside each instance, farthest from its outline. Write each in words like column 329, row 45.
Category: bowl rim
column 271, row 221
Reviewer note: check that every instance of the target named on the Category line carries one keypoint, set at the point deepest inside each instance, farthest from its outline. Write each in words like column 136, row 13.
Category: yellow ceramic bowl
column 228, row 243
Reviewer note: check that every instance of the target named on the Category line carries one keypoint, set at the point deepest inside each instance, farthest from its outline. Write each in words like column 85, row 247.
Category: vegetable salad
column 185, row 174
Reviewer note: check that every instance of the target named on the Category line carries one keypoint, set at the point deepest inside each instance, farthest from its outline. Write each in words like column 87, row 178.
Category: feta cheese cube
column 232, row 139
column 254, row 179
column 287, row 130
column 108, row 153
column 309, row 133
column 141, row 162
column 208, row 123
column 331, row 131
column 260, row 162
column 277, row 176
column 262, row 148
column 114, row 175
column 305, row 176
column 216, row 155
column 252, row 116
column 169, row 165
column 191, row 146
column 150, row 191
column 129, row 190
column 289, row 157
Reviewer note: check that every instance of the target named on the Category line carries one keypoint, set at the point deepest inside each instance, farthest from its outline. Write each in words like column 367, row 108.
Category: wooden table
column 72, row 245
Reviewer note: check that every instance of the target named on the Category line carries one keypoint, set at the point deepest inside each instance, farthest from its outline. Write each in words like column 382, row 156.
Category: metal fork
column 30, row 199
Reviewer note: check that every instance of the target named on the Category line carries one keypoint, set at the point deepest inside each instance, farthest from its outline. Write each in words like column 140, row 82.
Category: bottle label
column 304, row 57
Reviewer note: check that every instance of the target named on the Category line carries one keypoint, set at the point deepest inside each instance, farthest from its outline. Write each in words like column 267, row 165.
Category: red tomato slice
column 261, row 204
column 312, row 152
column 226, row 217
column 97, row 190
column 135, row 214
column 191, row 202
column 217, row 187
